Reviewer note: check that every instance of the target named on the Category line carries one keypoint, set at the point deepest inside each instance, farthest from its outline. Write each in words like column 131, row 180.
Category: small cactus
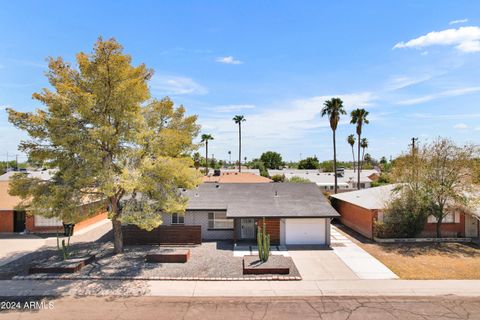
column 263, row 242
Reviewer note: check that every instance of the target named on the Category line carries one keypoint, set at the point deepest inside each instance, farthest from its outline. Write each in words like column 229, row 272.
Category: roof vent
column 197, row 195
column 276, row 193
column 217, row 186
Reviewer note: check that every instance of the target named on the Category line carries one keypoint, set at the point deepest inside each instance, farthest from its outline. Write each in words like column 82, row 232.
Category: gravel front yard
column 209, row 261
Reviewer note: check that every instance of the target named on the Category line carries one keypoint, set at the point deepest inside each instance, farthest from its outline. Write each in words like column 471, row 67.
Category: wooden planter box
column 274, row 265
column 63, row 266
column 175, row 256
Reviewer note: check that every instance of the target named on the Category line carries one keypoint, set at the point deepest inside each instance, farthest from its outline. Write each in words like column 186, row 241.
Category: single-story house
column 360, row 209
column 295, row 213
column 221, row 176
column 13, row 220
column 346, row 179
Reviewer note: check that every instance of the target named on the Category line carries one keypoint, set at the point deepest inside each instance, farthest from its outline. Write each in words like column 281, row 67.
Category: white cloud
column 400, row 82
column 465, row 39
column 283, row 126
column 443, row 94
column 444, row 116
column 233, row 108
column 458, row 21
column 461, row 126
column 477, row 129
column 228, row 60
column 176, row 85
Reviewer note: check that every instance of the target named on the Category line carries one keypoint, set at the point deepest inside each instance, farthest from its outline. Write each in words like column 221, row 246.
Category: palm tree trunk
column 358, row 162
column 335, row 161
column 239, row 147
column 206, row 157
column 363, row 159
column 353, row 155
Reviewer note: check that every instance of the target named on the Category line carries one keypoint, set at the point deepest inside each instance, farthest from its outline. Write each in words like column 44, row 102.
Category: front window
column 219, row 221
column 178, row 218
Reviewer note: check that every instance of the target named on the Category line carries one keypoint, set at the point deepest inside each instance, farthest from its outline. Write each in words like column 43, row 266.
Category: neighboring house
column 294, row 213
column 234, row 177
column 346, row 179
column 12, row 220
column 360, row 209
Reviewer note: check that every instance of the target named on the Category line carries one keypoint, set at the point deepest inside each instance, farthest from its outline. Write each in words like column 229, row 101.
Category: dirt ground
column 424, row 260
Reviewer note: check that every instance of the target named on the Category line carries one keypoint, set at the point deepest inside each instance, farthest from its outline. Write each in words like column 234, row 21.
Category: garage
column 306, row 231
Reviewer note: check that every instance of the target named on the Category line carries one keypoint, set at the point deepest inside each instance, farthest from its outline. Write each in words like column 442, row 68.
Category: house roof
column 292, row 200
column 326, row 178
column 236, row 177
column 40, row 174
column 7, row 202
column 370, row 198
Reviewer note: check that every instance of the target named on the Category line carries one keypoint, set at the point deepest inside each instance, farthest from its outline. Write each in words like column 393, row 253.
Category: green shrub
column 278, row 178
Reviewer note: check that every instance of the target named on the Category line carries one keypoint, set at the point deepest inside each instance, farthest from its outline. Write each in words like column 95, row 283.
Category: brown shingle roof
column 236, row 177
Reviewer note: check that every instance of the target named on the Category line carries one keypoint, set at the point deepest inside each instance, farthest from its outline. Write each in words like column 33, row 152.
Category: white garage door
column 305, row 231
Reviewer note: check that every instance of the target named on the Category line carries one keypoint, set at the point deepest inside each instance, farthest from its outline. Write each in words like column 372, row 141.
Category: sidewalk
column 466, row 288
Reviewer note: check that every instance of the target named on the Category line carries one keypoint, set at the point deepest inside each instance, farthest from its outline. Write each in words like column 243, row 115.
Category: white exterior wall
column 47, row 222
column 200, row 218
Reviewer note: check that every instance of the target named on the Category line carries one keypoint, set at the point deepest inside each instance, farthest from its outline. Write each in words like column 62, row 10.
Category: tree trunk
column 438, row 227
column 335, row 162
column 239, row 147
column 206, row 157
column 353, row 155
column 117, row 228
column 358, row 162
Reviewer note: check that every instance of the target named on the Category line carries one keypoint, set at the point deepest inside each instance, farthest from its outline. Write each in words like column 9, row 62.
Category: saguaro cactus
column 263, row 242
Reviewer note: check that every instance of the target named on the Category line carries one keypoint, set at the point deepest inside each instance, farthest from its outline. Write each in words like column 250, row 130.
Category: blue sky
column 413, row 65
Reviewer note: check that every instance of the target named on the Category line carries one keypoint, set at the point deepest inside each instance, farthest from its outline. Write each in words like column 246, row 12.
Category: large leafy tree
column 272, row 160
column 107, row 142
column 333, row 108
column 205, row 138
column 359, row 118
column 442, row 172
column 238, row 119
column 309, row 163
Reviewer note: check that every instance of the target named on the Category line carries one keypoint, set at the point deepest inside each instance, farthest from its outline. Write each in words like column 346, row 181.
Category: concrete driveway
column 321, row 265
column 13, row 246
column 345, row 261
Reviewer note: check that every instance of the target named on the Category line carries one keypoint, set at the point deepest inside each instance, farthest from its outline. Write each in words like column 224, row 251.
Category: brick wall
column 6, row 221
column 273, row 228
column 30, row 224
column 447, row 229
column 354, row 217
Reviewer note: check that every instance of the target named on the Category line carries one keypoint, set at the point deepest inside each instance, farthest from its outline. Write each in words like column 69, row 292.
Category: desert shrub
column 278, row 178
column 296, row 179
column 404, row 217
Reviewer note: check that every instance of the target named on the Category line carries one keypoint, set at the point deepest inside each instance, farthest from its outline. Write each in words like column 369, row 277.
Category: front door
column 471, row 226
column 18, row 221
column 248, row 228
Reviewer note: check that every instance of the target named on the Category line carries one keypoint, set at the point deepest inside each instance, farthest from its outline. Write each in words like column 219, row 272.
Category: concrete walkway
column 364, row 265
column 241, row 288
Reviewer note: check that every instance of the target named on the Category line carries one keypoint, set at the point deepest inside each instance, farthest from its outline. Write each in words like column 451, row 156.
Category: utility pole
column 16, row 162
column 230, row 157
column 413, row 145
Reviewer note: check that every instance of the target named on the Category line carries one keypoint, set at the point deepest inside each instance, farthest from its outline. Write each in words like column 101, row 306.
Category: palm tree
column 363, row 145
column 351, row 142
column 334, row 108
column 206, row 138
column 196, row 160
column 238, row 120
column 359, row 117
